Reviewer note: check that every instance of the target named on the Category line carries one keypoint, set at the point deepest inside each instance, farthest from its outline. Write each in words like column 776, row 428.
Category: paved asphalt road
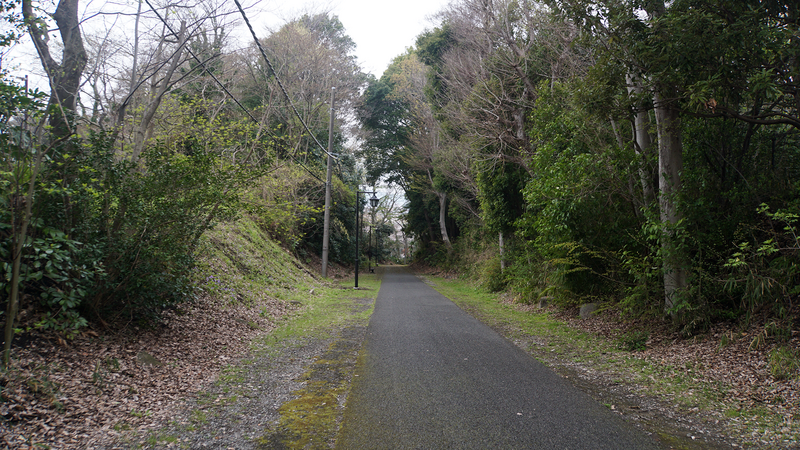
column 433, row 377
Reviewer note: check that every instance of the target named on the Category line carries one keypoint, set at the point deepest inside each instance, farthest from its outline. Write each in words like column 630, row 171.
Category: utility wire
column 225, row 89
column 272, row 69
column 202, row 64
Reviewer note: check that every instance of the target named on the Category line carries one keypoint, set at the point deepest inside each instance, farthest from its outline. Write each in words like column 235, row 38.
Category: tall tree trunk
column 405, row 248
column 442, row 216
column 642, row 141
column 442, row 196
column 502, row 252
column 670, row 164
column 64, row 78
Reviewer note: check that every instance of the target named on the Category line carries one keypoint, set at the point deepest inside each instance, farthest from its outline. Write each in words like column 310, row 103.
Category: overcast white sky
column 381, row 29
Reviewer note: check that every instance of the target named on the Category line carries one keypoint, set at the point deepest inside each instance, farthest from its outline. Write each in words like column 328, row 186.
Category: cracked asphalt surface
column 431, row 376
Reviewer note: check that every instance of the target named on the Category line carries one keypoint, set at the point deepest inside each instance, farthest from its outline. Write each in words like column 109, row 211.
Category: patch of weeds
column 205, row 398
column 780, row 331
column 633, row 341
column 232, row 375
column 728, row 338
column 112, row 364
column 152, row 440
column 198, row 416
column 99, row 374
column 40, row 384
column 733, row 413
column 774, row 331
column 139, row 414
column 157, row 440
column 783, row 362
column 122, row 426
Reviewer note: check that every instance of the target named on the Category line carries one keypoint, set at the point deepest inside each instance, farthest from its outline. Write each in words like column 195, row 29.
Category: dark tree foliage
column 385, row 117
column 432, row 45
column 594, row 208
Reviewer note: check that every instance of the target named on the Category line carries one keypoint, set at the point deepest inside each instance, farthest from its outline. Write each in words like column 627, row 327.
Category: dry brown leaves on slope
column 724, row 359
column 82, row 394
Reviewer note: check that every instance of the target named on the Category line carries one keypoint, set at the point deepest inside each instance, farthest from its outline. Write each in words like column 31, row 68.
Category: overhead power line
column 229, row 94
column 283, row 89
column 203, row 65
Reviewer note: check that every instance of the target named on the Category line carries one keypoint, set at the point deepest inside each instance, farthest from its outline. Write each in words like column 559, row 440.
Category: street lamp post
column 373, row 201
column 369, row 251
column 379, row 249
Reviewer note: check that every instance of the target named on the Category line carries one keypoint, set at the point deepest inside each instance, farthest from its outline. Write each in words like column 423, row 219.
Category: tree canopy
column 642, row 154
column 639, row 153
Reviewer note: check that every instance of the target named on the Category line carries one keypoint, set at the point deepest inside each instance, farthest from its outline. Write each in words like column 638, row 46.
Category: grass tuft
column 784, row 362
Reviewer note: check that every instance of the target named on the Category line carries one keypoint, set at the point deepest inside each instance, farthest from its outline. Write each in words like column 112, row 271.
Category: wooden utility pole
column 326, row 233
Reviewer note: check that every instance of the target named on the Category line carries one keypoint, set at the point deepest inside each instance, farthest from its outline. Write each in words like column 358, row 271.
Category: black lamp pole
column 373, row 201
column 369, row 251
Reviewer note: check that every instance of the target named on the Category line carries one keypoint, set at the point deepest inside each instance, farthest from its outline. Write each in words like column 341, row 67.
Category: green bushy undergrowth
column 110, row 240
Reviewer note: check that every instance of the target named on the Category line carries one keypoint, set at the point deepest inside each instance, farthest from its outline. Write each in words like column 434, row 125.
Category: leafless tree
column 310, row 56
column 64, row 76
column 503, row 49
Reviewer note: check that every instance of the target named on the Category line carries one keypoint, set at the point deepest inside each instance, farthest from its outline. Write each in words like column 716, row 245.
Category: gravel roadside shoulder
column 278, row 396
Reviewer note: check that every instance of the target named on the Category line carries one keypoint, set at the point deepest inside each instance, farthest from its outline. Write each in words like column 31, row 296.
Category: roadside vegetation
column 639, row 157
column 630, row 154
column 708, row 392
column 255, row 302
column 289, row 388
column 102, row 383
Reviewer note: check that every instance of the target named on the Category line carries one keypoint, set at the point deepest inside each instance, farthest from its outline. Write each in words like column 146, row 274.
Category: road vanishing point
column 431, row 376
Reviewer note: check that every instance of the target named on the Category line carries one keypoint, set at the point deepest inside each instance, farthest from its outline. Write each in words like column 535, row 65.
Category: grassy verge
column 324, row 311
column 641, row 389
column 296, row 378
column 337, row 317
column 243, row 265
column 240, row 264
column 286, row 389
column 552, row 336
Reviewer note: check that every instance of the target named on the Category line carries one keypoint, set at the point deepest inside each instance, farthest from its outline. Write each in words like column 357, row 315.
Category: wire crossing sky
column 381, row 30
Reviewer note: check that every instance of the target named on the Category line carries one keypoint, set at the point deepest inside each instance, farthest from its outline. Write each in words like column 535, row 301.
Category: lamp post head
column 373, row 200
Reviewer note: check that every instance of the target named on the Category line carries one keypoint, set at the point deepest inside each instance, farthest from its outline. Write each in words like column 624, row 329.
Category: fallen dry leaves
column 722, row 357
column 93, row 389
column 83, row 394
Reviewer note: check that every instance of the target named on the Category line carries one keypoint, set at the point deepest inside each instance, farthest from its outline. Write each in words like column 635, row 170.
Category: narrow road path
column 433, row 377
